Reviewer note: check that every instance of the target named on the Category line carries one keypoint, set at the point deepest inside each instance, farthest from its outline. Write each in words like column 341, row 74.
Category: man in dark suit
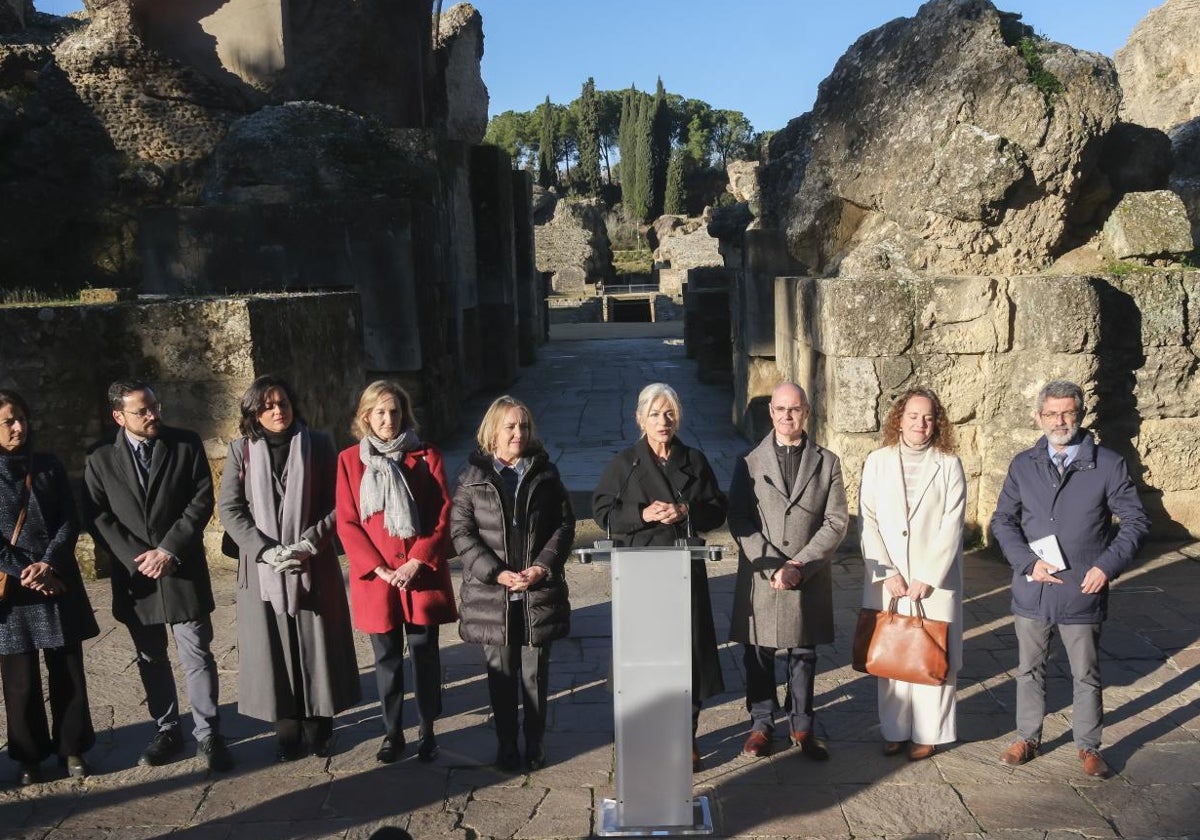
column 787, row 512
column 148, row 496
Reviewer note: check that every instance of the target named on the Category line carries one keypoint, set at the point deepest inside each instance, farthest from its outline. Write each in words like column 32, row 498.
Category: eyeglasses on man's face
column 1063, row 416
column 155, row 409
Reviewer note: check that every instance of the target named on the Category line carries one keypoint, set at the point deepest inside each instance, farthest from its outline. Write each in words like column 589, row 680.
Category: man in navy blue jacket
column 1070, row 487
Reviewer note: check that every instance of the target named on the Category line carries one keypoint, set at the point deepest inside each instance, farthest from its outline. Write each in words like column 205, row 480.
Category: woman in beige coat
column 911, row 505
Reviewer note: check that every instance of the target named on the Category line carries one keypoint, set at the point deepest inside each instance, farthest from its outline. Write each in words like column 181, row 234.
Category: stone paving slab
column 1152, row 738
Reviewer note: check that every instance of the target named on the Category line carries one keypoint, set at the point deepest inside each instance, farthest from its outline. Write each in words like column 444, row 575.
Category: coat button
column 904, row 533
column 785, row 542
column 787, row 513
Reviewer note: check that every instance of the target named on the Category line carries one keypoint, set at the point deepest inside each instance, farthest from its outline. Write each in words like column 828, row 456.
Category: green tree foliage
column 627, row 139
column 732, row 137
column 547, row 158
column 511, row 132
column 610, row 124
column 588, row 119
column 640, row 203
column 662, row 130
column 675, row 199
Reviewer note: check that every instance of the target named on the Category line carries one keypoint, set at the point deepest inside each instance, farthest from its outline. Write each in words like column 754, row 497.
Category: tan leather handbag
column 910, row 648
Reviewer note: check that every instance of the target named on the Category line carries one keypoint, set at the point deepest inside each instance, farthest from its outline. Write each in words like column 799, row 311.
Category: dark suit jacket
column 170, row 514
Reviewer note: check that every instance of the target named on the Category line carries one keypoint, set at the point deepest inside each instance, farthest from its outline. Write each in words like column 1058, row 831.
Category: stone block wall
column 200, row 354
column 987, row 345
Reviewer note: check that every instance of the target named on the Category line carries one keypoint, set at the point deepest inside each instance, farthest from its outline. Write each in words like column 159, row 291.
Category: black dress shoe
column 391, row 749
column 30, row 774
column 76, row 767
column 535, row 756
column 215, row 753
column 291, row 751
column 167, row 744
column 508, row 759
column 427, row 748
column 323, row 747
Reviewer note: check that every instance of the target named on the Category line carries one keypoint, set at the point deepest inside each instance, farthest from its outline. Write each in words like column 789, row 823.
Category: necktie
column 1060, row 462
column 144, row 452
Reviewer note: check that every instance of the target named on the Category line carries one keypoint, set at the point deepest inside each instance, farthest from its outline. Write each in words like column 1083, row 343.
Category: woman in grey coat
column 45, row 606
column 297, row 664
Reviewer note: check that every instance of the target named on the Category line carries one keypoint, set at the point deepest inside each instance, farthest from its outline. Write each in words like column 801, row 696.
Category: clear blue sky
column 762, row 57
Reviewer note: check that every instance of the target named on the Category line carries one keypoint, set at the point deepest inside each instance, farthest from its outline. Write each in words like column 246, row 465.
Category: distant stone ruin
column 905, row 232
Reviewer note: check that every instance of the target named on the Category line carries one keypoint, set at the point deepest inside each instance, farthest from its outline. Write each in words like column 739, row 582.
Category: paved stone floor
column 1151, row 664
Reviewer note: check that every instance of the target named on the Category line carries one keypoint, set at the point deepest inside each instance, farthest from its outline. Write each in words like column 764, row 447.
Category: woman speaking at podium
column 655, row 492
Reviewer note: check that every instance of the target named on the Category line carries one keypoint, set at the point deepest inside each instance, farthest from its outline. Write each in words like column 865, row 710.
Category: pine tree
column 547, row 160
column 588, row 172
column 643, row 185
column 660, row 149
column 674, row 200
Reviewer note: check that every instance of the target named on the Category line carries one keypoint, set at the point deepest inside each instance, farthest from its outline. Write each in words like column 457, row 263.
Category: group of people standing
column 286, row 492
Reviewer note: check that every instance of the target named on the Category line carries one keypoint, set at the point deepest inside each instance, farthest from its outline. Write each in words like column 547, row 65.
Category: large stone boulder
column 1185, row 177
column 457, row 55
column 574, row 247
column 956, row 141
column 1148, row 225
column 685, row 243
column 1159, row 67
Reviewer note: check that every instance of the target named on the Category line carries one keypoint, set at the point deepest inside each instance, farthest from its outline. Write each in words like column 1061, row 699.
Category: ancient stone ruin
column 963, row 208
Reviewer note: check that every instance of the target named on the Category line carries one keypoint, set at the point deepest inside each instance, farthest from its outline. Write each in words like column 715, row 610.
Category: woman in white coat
column 911, row 505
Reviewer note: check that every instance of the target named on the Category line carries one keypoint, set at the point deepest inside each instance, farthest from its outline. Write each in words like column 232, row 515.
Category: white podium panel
column 652, row 686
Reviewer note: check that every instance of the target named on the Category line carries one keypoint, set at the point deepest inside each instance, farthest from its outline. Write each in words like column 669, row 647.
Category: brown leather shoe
column 810, row 746
column 920, row 752
column 891, row 748
column 758, row 745
column 1094, row 764
column 1019, row 752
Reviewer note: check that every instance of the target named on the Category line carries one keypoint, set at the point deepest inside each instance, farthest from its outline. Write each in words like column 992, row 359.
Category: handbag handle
column 24, row 507
column 895, row 602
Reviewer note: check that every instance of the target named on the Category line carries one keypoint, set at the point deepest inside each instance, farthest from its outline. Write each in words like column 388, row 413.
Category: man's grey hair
column 1059, row 388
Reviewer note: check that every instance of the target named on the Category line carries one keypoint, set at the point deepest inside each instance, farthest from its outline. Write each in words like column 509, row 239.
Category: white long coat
column 924, row 543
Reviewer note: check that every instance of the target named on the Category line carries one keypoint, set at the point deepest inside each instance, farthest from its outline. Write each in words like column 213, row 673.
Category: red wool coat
column 429, row 599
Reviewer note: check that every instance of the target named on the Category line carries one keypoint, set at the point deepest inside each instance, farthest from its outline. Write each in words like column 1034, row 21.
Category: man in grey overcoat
column 787, row 512
column 147, row 497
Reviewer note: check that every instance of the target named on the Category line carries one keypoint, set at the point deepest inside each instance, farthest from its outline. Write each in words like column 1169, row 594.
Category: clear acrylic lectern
column 652, row 691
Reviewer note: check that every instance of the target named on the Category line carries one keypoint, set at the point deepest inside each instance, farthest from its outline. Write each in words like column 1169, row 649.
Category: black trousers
column 516, row 671
column 426, row 659
column 30, row 737
column 762, row 697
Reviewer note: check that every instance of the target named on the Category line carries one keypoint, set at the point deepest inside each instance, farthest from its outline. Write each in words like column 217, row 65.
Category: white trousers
column 924, row 714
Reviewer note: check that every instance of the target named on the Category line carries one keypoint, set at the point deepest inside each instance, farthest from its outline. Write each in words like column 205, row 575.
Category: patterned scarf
column 384, row 487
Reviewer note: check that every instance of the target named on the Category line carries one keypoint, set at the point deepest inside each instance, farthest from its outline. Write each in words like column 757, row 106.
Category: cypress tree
column 643, row 187
column 660, row 149
column 547, row 160
column 674, row 198
column 627, row 144
column 588, row 172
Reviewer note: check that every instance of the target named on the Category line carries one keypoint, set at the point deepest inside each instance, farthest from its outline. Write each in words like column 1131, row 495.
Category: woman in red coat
column 393, row 516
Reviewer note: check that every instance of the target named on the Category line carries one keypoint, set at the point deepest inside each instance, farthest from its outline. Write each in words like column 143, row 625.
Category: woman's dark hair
column 10, row 397
column 255, row 400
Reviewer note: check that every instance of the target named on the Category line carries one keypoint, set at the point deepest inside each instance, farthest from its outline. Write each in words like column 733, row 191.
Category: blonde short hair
column 489, row 426
column 360, row 428
column 654, row 392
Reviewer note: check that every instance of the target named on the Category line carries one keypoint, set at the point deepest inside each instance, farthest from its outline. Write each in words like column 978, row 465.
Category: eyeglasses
column 789, row 409
column 1064, row 416
column 156, row 409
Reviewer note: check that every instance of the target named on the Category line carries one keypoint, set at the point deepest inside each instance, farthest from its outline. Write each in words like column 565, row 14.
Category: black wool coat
column 480, row 521
column 631, row 481
column 171, row 513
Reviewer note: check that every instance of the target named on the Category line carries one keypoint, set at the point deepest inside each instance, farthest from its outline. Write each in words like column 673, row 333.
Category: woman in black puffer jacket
column 513, row 528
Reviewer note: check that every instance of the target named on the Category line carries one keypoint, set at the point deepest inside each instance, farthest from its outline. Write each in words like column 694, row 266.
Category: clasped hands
column 521, row 581
column 897, row 587
column 667, row 513
column 289, row 558
column 1094, row 580
column 41, row 578
column 399, row 577
column 155, row 563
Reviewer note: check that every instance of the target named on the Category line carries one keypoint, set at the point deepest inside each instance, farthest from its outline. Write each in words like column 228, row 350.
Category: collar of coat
column 1085, row 458
column 483, row 462
column 762, row 461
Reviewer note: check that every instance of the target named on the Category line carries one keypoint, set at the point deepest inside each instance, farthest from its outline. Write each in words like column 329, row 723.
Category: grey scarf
column 384, row 487
column 284, row 522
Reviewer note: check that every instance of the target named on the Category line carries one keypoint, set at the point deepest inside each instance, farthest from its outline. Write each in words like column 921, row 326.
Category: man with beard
column 1062, row 495
column 147, row 497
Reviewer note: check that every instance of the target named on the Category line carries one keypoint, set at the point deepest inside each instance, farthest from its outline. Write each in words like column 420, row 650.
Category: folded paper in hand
column 1048, row 551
